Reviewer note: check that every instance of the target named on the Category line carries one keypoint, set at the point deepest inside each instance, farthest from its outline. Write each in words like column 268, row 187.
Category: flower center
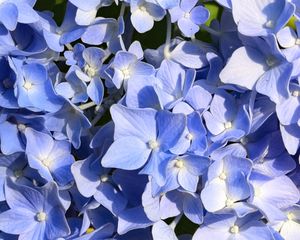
column 179, row 163
column 27, row 85
column 46, row 162
column 126, row 73
column 186, row 15
column 296, row 93
column 270, row 24
column 261, row 160
column 90, row 71
column 153, row 144
column 143, row 8
column 271, row 61
column 104, row 178
column 290, row 216
column 189, row 136
column 234, row 229
column 41, row 216
column 223, row 176
column 257, row 192
column 18, row 173
column 21, row 127
column 228, row 125
column 244, row 140
column 229, row 202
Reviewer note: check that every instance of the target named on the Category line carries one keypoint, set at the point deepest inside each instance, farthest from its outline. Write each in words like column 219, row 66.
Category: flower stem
column 168, row 38
column 175, row 221
column 87, row 105
column 211, row 31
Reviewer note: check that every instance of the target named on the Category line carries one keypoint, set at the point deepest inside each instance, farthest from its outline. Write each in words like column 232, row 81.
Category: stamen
column 189, row 136
column 104, row 178
column 179, row 163
column 143, row 8
column 186, row 15
column 271, row 61
column 270, row 24
column 234, row 229
column 296, row 93
column 290, row 216
column 228, row 125
column 229, row 202
column 223, row 176
column 27, row 85
column 153, row 144
column 18, row 173
column 21, row 127
column 90, row 71
column 126, row 73
column 41, row 216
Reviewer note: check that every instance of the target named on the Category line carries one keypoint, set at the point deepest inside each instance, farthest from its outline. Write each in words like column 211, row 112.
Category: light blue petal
column 171, row 127
column 86, row 179
column 26, row 14
column 161, row 230
column 167, row 4
column 214, row 188
column 244, row 68
column 274, row 83
column 139, row 123
column 127, row 153
column 133, row 218
column 187, row 27
column 193, row 209
column 110, row 198
column 141, row 21
column 56, row 225
column 23, row 197
column 9, row 15
column 23, row 221
column 189, row 55
column 199, row 15
column 95, row 90
column 187, row 180
column 286, row 37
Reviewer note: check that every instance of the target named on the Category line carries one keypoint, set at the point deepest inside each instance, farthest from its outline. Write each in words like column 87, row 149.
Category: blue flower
column 34, row 90
column 51, row 158
column 70, row 121
column 36, row 213
column 269, row 195
column 144, row 13
column 228, row 226
column 143, row 136
column 86, row 12
column 227, row 179
column 256, row 18
column 264, row 69
column 93, row 180
column 12, row 127
column 189, row 16
column 226, row 120
column 127, row 67
column 12, row 12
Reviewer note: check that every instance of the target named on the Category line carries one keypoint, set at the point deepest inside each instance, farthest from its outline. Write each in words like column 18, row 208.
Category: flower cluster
column 104, row 138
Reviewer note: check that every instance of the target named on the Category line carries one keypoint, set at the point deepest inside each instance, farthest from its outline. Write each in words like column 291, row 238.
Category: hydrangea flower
column 260, row 18
column 120, row 120
column 189, row 16
column 21, row 11
column 144, row 13
column 36, row 213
